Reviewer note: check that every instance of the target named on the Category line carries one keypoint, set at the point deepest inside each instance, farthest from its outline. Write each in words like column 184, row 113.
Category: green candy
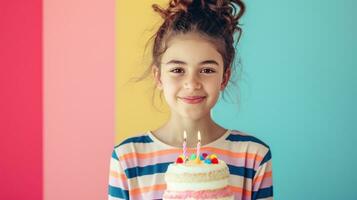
column 193, row 156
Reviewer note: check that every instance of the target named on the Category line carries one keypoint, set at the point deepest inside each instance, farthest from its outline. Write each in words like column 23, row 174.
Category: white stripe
column 210, row 185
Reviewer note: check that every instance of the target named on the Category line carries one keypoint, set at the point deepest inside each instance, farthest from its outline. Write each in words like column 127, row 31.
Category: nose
column 192, row 83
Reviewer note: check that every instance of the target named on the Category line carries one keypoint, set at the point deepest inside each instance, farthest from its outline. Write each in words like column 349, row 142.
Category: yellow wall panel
column 135, row 113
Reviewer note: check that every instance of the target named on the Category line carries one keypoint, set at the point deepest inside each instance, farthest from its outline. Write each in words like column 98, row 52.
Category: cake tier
column 196, row 177
column 197, row 181
column 223, row 194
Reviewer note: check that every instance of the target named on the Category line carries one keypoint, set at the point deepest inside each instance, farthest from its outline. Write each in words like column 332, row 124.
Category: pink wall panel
column 20, row 100
column 78, row 98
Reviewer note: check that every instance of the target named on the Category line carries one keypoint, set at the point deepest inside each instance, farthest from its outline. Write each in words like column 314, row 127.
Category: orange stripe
column 260, row 178
column 240, row 190
column 117, row 175
column 149, row 155
column 191, row 150
column 137, row 191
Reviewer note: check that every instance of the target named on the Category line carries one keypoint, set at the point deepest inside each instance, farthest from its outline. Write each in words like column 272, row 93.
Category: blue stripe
column 245, row 138
column 118, row 192
column 138, row 139
column 266, row 158
column 242, row 171
column 114, row 155
column 263, row 193
column 147, row 170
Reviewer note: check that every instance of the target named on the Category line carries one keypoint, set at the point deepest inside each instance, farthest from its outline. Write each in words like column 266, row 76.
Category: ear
column 157, row 76
column 226, row 77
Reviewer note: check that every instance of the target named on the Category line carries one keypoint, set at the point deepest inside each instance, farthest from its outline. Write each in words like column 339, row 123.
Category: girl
column 192, row 59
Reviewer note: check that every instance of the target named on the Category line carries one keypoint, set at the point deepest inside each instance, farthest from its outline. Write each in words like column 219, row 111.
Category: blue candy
column 208, row 161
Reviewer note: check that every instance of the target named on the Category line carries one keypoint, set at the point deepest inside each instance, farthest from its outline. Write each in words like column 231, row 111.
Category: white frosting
column 186, row 169
column 195, row 168
column 223, row 198
column 209, row 185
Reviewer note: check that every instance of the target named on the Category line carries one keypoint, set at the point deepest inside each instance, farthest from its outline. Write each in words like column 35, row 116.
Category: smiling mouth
column 193, row 99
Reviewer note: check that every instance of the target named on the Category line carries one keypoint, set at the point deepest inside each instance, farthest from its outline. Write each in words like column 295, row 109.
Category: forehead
column 191, row 48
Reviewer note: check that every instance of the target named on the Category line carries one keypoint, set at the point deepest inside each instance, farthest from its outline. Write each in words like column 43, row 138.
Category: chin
column 195, row 115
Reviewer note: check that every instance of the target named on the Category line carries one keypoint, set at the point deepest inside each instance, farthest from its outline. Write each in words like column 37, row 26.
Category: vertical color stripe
column 21, row 99
column 135, row 24
column 78, row 98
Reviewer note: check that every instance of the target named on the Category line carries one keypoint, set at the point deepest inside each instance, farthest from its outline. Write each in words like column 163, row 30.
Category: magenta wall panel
column 21, row 100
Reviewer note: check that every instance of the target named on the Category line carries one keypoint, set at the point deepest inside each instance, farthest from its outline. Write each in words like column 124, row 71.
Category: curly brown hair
column 215, row 20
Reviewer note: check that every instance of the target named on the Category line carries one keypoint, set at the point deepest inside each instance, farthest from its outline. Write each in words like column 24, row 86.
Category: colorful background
column 67, row 95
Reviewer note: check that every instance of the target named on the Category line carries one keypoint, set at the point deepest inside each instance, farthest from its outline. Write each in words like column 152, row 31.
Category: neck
column 191, row 126
column 172, row 131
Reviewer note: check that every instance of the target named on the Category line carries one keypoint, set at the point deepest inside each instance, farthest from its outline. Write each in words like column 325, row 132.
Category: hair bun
column 223, row 9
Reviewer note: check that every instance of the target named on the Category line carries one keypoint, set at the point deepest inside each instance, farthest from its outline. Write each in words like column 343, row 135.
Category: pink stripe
column 239, row 196
column 267, row 182
column 114, row 181
column 133, row 162
column 154, row 194
column 212, row 194
column 240, row 162
column 21, row 99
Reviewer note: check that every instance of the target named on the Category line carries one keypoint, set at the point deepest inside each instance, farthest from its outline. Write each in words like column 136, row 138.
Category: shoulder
column 137, row 139
column 246, row 142
column 138, row 143
column 236, row 136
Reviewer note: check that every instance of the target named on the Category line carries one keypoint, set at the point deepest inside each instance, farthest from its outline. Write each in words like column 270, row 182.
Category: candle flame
column 199, row 136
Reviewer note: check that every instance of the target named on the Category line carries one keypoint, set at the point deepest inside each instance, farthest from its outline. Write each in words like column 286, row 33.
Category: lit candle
column 198, row 145
column 184, row 146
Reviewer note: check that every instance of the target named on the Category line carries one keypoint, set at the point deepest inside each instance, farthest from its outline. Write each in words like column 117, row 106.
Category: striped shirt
column 138, row 165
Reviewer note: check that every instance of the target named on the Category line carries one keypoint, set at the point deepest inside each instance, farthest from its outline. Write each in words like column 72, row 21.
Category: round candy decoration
column 193, row 156
column 179, row 160
column 208, row 161
column 214, row 161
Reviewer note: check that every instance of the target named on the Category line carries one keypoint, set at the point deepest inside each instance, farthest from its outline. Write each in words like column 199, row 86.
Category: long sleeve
column 262, row 181
column 118, row 182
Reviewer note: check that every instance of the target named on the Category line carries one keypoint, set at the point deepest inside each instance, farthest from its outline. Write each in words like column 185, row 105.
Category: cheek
column 170, row 86
column 214, row 84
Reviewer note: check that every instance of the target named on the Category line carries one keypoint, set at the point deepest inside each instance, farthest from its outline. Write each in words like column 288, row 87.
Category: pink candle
column 198, row 144
column 184, row 146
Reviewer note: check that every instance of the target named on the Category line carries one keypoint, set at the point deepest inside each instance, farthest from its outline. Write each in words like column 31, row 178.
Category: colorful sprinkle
column 198, row 161
column 193, row 159
column 179, row 160
column 214, row 161
column 193, row 156
column 208, row 161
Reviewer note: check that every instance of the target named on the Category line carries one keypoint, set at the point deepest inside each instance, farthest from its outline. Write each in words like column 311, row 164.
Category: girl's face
column 191, row 76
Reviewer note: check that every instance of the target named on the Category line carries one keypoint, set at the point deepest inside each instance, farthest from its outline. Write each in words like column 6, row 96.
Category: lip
column 193, row 99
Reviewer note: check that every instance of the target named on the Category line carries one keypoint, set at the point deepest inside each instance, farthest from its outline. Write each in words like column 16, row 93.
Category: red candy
column 214, row 161
column 179, row 160
column 204, row 155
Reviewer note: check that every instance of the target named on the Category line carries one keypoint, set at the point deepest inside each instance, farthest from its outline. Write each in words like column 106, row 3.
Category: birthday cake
column 204, row 177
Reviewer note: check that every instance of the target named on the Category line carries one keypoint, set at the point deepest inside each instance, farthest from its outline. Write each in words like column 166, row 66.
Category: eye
column 177, row 70
column 208, row 70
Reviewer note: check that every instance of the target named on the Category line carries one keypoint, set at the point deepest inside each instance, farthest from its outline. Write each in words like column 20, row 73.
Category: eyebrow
column 184, row 63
